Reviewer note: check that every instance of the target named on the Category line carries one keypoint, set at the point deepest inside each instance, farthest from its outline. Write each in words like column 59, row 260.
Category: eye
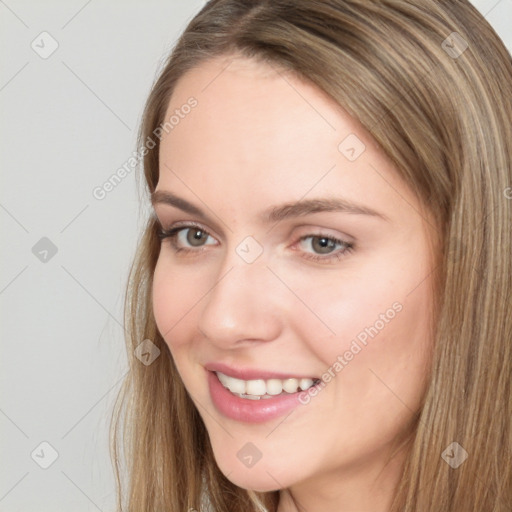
column 191, row 239
column 184, row 237
column 324, row 247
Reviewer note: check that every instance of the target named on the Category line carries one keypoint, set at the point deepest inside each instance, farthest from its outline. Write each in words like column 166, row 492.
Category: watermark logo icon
column 454, row 45
column 44, row 250
column 45, row 45
column 249, row 455
column 44, row 455
column 454, row 455
column 351, row 147
column 146, row 352
column 249, row 249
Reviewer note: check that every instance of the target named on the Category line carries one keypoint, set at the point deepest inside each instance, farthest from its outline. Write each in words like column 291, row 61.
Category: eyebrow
column 280, row 212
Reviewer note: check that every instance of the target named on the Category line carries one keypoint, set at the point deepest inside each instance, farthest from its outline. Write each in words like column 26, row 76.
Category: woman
column 319, row 306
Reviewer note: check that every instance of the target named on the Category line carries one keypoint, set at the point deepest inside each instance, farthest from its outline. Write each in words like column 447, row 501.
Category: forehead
column 259, row 136
column 254, row 102
column 250, row 114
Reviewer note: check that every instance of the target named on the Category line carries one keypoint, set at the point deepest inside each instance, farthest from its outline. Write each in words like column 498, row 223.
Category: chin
column 254, row 479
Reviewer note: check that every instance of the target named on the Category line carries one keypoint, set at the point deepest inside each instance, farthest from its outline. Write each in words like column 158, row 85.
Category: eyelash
column 172, row 233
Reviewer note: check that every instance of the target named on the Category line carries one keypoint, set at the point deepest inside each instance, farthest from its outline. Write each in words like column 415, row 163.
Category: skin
column 256, row 139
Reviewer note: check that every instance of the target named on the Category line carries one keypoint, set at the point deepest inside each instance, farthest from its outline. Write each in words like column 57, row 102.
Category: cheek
column 174, row 293
column 380, row 322
column 375, row 363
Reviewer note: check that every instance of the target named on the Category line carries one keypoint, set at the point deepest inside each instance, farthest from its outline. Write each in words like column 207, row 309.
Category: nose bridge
column 240, row 304
column 243, row 273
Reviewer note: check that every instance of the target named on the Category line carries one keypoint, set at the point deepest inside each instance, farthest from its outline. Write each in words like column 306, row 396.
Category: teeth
column 306, row 384
column 234, row 385
column 274, row 387
column 256, row 389
column 291, row 385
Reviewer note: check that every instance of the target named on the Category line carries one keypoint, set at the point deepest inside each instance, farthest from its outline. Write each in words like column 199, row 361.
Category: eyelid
column 313, row 230
column 309, row 230
column 186, row 224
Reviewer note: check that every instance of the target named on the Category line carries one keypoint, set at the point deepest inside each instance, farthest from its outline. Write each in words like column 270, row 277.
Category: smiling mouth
column 263, row 389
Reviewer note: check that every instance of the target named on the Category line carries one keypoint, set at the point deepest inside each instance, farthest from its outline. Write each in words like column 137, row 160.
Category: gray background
column 68, row 123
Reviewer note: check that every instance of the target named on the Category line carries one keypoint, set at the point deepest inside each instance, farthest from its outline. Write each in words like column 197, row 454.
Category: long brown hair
column 432, row 83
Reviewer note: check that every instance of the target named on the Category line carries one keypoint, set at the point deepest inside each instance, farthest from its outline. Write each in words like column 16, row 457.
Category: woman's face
column 338, row 289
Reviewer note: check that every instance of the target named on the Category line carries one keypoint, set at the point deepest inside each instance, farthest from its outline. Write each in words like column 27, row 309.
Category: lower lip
column 247, row 410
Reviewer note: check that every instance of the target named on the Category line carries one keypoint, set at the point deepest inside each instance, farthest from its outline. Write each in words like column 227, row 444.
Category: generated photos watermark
column 101, row 191
column 356, row 346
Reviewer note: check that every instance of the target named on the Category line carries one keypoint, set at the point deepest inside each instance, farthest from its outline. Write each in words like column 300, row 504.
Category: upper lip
column 252, row 373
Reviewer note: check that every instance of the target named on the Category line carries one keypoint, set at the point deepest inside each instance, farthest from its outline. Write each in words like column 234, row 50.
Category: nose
column 242, row 305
